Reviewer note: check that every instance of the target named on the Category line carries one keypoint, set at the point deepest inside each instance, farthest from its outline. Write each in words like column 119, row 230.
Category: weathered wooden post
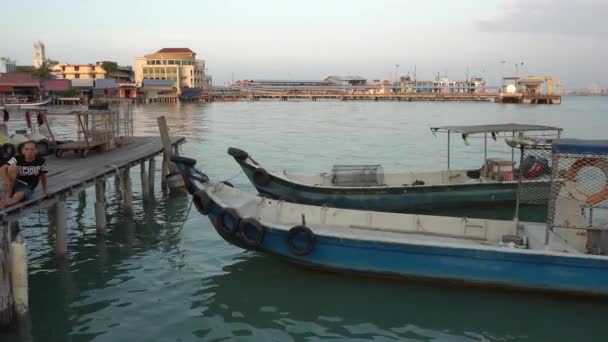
column 163, row 174
column 118, row 182
column 173, row 179
column 151, row 174
column 61, row 234
column 100, row 207
column 82, row 197
column 145, row 188
column 6, row 295
column 18, row 258
column 126, row 188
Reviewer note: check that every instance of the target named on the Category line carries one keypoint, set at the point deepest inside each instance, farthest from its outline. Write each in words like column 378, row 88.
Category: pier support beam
column 163, row 174
column 18, row 258
column 151, row 174
column 100, row 207
column 61, row 234
column 126, row 188
column 117, row 182
column 6, row 295
column 82, row 197
column 145, row 188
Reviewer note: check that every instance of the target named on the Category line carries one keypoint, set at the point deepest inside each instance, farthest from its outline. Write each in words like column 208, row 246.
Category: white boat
column 26, row 105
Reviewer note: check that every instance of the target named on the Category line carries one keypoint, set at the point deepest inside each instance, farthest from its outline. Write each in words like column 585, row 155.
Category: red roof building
column 175, row 50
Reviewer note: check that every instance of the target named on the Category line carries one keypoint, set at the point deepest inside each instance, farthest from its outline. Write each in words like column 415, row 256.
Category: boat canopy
column 580, row 146
column 498, row 128
column 495, row 131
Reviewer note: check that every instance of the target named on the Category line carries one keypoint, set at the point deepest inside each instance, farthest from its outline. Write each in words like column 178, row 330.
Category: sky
column 286, row 39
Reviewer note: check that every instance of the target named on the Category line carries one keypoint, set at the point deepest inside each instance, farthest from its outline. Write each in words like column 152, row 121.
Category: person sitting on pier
column 22, row 174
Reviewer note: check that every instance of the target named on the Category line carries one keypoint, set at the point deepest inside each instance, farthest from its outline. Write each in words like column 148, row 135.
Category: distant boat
column 490, row 252
column 367, row 187
column 27, row 105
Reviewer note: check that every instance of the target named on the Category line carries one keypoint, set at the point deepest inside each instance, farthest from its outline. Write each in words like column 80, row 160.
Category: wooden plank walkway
column 72, row 173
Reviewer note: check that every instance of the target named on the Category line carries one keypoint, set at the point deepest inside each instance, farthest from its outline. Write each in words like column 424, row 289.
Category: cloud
column 567, row 17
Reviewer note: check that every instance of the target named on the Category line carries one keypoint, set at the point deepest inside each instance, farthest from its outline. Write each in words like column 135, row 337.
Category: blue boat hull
column 497, row 267
column 494, row 268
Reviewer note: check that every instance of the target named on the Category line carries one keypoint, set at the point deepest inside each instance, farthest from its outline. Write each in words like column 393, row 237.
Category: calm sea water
column 163, row 274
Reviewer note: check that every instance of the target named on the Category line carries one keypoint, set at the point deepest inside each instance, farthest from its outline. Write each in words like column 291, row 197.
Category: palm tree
column 43, row 73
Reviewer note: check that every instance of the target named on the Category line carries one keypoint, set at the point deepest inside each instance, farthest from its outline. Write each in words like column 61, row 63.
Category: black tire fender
column 310, row 240
column 244, row 228
column 261, row 177
column 202, row 202
column 221, row 221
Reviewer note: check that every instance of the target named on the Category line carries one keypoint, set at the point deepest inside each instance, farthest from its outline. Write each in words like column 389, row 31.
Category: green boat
column 446, row 192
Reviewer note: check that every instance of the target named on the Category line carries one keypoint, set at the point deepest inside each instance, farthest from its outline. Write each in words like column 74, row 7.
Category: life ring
column 228, row 221
column 202, row 202
column 571, row 180
column 250, row 225
column 8, row 150
column 261, row 177
column 293, row 234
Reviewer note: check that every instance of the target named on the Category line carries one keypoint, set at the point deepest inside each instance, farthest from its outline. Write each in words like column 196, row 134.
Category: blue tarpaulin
column 105, row 83
column 149, row 82
column 580, row 146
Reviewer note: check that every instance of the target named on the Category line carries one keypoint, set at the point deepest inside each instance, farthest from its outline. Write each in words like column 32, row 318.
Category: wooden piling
column 6, row 295
column 151, row 174
column 82, row 197
column 127, row 189
column 145, row 188
column 118, row 183
column 61, row 236
column 100, row 207
column 166, row 141
column 163, row 174
column 18, row 258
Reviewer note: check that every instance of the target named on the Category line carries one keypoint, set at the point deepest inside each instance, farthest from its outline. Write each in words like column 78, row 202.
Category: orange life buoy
column 571, row 180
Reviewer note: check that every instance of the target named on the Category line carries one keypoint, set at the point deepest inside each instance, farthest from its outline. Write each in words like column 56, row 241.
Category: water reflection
column 262, row 297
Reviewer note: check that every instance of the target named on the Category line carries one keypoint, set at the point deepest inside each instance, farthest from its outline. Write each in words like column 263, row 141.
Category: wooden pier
column 375, row 97
column 68, row 176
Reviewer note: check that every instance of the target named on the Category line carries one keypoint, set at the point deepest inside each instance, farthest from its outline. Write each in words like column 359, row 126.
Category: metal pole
column 513, row 151
column 519, row 185
column 485, row 147
column 553, row 192
column 449, row 150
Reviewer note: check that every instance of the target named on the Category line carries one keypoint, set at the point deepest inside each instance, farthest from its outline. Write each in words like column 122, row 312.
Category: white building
column 177, row 64
column 7, row 65
column 39, row 55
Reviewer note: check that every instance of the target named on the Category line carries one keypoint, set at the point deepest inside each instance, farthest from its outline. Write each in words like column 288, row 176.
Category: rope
column 233, row 177
column 171, row 236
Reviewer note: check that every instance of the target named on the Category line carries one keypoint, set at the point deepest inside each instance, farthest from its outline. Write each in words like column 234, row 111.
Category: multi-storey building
column 91, row 71
column 177, row 64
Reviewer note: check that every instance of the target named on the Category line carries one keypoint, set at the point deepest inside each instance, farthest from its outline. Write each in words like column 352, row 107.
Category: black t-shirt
column 29, row 172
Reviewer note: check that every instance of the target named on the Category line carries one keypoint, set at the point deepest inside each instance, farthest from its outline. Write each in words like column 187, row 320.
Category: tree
column 72, row 92
column 109, row 67
column 26, row 69
column 44, row 72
